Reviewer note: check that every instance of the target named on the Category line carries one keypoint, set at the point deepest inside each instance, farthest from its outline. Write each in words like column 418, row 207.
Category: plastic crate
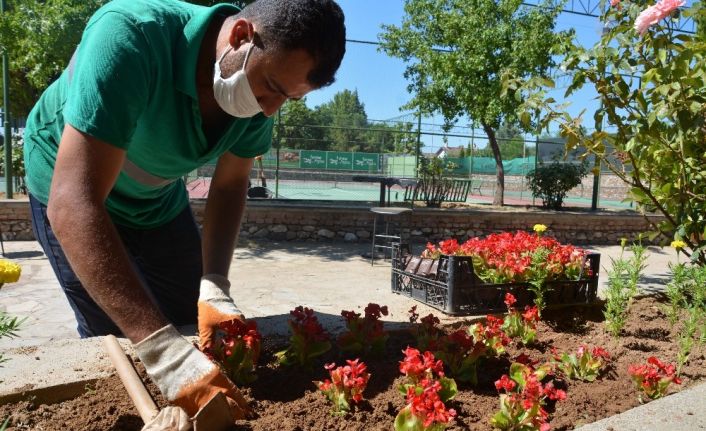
column 451, row 286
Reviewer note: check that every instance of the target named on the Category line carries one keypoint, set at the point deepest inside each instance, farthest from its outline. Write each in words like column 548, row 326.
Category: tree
column 652, row 88
column 346, row 116
column 300, row 127
column 457, row 52
column 40, row 37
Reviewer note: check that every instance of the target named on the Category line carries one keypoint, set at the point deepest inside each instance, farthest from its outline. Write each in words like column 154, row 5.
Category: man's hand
column 214, row 306
column 184, row 375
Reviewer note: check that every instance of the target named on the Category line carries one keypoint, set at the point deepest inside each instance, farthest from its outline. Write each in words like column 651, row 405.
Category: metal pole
column 597, row 171
column 417, row 153
column 536, row 158
column 279, row 142
column 6, row 117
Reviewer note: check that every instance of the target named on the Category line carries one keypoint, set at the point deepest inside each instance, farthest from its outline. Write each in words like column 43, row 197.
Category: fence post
column 279, row 144
column 7, row 139
column 419, row 144
column 536, row 160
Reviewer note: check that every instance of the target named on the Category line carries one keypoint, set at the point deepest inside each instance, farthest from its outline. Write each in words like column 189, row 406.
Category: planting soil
column 286, row 399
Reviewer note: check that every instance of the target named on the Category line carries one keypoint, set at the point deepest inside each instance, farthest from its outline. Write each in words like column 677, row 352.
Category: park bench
column 436, row 191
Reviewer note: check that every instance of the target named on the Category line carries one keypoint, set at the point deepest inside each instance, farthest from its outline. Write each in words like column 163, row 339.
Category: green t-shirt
column 132, row 84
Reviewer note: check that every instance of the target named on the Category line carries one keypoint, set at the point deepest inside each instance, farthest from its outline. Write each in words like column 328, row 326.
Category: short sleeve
column 109, row 79
column 256, row 140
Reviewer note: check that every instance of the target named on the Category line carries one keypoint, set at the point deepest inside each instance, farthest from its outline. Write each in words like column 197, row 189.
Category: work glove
column 214, row 306
column 171, row 418
column 184, row 375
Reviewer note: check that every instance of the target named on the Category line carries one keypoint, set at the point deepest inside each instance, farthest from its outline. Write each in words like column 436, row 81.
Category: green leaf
column 406, row 421
column 448, row 389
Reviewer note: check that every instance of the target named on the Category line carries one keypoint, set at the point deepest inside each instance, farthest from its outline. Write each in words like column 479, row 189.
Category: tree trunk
column 499, row 198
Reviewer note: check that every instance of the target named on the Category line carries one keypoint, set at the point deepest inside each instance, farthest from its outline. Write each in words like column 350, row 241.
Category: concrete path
column 269, row 279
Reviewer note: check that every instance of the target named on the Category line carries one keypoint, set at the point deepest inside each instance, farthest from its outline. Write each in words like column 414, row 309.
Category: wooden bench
column 436, row 191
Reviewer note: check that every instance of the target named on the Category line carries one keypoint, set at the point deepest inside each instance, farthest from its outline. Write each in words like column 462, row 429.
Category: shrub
column 551, row 182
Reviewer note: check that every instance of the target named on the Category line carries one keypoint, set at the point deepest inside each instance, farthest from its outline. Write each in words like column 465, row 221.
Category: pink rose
column 653, row 14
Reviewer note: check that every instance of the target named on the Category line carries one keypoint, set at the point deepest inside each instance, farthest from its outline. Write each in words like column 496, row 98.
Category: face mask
column 233, row 94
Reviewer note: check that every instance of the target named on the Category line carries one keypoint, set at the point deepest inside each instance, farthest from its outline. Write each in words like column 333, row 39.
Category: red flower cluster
column 305, row 323
column 520, row 325
column 507, row 257
column 654, row 378
column 346, row 384
column 522, row 405
column 236, row 348
column 417, row 366
column 424, row 402
column 491, row 334
column 427, row 332
column 365, row 335
column 308, row 340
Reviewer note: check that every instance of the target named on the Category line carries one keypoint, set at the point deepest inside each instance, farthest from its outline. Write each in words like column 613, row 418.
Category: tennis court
column 370, row 192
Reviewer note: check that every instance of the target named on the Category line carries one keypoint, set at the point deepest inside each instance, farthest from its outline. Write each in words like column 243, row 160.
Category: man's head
column 299, row 47
column 315, row 26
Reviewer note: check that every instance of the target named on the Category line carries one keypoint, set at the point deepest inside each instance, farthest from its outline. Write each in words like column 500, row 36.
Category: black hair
column 316, row 26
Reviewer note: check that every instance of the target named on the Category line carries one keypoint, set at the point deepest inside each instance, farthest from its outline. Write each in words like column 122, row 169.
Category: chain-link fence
column 321, row 169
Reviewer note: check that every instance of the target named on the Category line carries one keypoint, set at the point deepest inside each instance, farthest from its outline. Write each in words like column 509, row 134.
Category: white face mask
column 233, row 94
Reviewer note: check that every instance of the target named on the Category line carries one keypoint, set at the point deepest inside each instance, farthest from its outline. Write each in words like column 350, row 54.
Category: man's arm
column 224, row 211
column 85, row 172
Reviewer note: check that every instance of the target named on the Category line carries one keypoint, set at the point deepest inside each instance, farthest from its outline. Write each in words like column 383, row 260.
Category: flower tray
column 450, row 285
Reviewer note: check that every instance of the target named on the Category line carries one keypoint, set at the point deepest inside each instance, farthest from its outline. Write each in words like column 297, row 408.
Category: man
column 155, row 89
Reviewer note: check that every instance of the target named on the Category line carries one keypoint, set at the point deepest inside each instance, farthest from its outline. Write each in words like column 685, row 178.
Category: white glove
column 170, row 418
column 186, row 377
column 214, row 306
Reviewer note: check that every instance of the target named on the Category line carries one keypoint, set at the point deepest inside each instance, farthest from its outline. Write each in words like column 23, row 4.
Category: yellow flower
column 623, row 242
column 9, row 271
column 539, row 228
column 678, row 244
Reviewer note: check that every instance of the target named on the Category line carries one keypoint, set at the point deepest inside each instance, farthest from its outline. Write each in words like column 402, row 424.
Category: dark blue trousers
column 167, row 258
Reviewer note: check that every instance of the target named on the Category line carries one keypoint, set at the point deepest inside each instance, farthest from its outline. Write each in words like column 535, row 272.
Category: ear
column 242, row 32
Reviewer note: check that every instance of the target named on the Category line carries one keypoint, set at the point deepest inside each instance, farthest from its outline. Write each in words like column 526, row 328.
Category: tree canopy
column 457, row 52
column 40, row 36
column 341, row 125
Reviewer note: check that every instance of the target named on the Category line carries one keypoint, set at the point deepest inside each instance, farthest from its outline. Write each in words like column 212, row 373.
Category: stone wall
column 284, row 221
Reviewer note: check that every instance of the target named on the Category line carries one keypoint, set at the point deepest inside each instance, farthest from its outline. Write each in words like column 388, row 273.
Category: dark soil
column 286, row 399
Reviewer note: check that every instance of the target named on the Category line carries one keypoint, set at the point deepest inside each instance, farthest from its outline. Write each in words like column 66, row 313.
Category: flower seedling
column 345, row 386
column 308, row 340
column 522, row 404
column 491, row 335
column 365, row 335
column 508, row 257
column 522, row 325
column 425, row 410
column 586, row 364
column 236, row 348
column 418, row 367
column 653, row 378
column 426, row 332
column 461, row 354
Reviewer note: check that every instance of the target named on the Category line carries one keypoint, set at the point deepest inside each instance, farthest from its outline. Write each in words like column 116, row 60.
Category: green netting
column 486, row 165
column 403, row 166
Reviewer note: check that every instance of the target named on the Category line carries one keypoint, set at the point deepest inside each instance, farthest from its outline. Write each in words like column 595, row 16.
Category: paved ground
column 269, row 280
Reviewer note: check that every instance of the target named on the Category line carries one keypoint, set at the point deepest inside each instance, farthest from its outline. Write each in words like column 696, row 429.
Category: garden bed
column 286, row 399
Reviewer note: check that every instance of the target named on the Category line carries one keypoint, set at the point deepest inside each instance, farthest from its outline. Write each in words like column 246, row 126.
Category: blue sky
column 379, row 79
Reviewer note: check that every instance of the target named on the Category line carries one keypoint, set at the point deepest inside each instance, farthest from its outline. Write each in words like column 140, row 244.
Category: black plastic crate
column 450, row 285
